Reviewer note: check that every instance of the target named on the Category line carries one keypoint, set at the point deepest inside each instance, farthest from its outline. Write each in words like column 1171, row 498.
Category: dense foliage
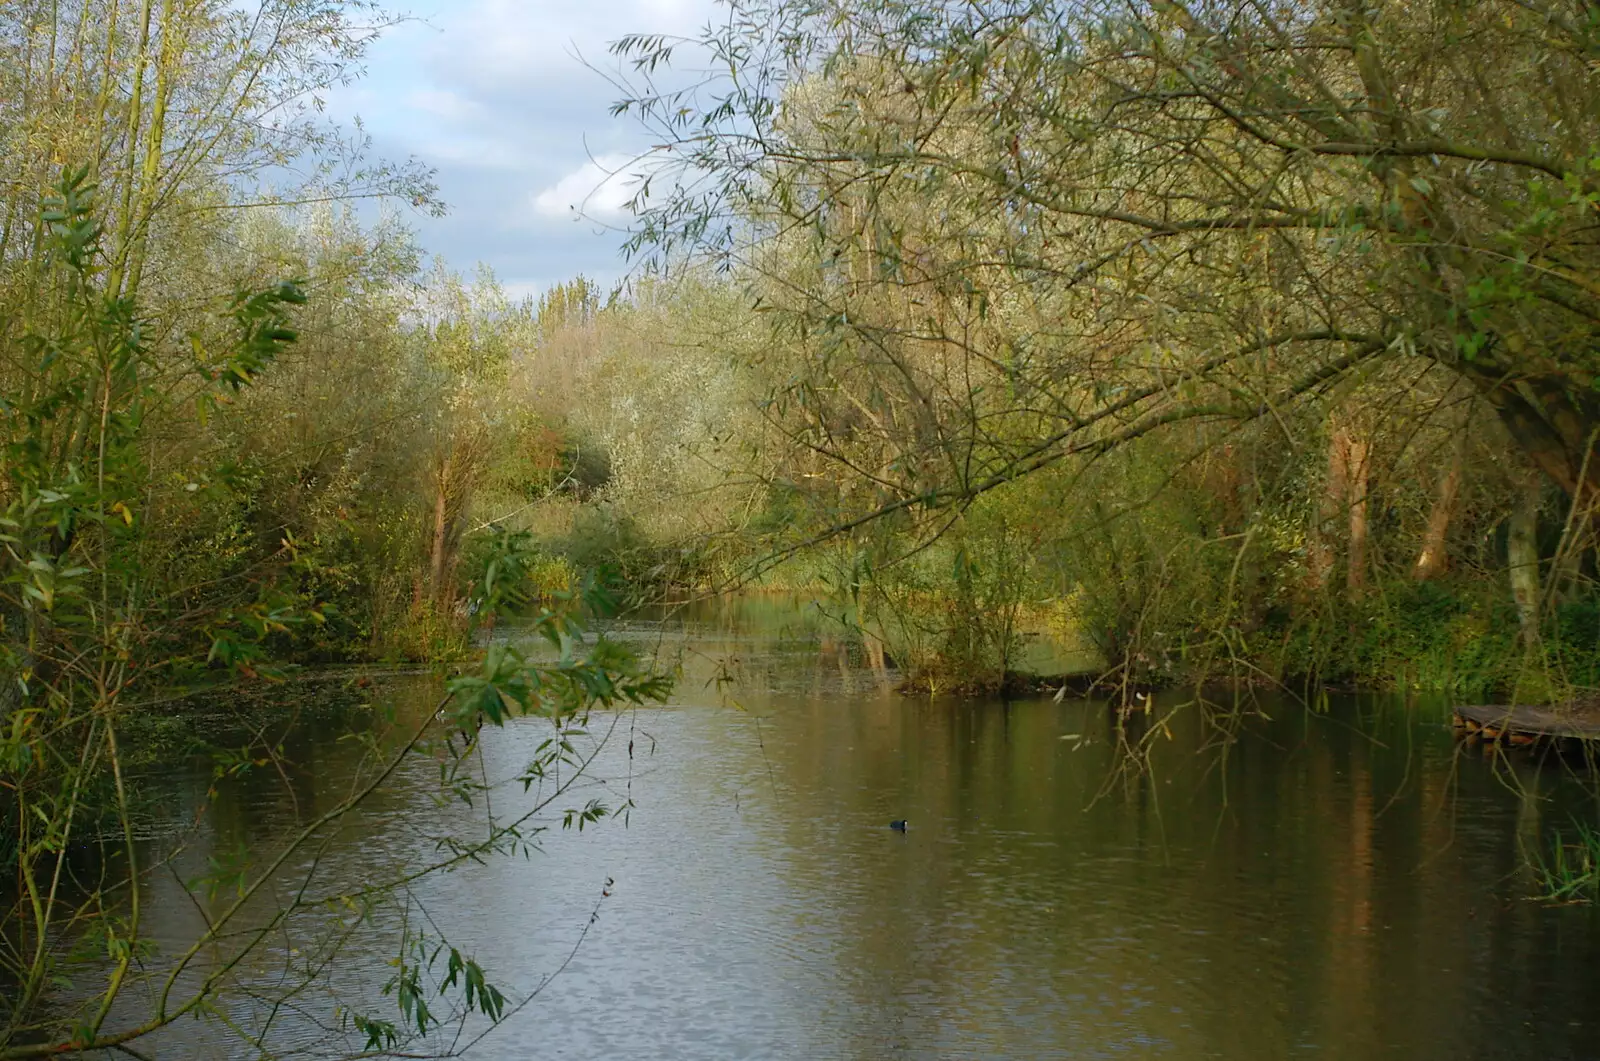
column 1220, row 339
column 1220, row 336
column 241, row 430
column 1221, row 325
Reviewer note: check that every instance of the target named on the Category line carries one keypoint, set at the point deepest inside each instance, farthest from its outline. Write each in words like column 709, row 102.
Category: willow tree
column 1006, row 233
column 93, row 635
column 181, row 113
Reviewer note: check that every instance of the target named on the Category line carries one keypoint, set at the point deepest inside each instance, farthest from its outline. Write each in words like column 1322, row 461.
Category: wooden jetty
column 1529, row 725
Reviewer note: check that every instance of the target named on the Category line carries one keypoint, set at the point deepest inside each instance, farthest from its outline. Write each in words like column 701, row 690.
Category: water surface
column 1343, row 886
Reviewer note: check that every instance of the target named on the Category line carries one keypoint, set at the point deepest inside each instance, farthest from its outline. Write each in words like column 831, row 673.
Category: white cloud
column 490, row 93
column 443, row 103
column 600, row 188
column 515, row 42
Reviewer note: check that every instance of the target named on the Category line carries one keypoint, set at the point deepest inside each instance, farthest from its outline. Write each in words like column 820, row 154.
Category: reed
column 1571, row 871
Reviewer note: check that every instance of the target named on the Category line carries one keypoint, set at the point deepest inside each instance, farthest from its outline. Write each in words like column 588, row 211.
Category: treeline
column 1235, row 341
column 243, row 420
column 1248, row 340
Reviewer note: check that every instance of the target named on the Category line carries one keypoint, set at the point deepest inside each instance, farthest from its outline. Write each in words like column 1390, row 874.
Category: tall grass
column 1570, row 873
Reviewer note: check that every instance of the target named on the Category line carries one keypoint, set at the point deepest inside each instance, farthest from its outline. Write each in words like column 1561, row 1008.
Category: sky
column 495, row 96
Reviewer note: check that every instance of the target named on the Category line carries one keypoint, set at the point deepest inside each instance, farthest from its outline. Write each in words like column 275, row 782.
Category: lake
column 1245, row 880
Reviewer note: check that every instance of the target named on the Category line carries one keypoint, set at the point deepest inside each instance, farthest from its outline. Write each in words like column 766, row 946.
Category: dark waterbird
column 898, row 825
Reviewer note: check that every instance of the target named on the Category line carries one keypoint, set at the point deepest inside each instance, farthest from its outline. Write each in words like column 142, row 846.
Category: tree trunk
column 1434, row 557
column 127, row 177
column 441, row 534
column 1357, row 451
column 1522, row 558
column 166, row 72
column 1555, row 430
column 875, row 657
column 1577, row 538
column 1319, row 559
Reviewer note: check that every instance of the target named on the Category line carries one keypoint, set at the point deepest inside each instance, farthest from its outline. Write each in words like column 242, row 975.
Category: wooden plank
column 1561, row 721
